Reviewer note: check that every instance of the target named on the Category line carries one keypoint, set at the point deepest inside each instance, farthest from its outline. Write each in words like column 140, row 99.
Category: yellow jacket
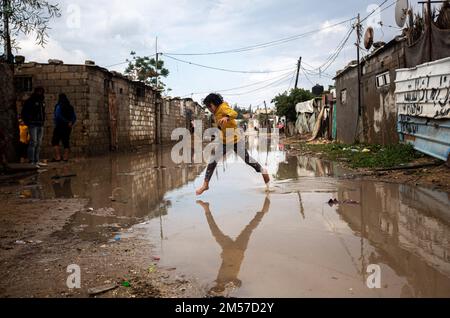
column 24, row 135
column 230, row 133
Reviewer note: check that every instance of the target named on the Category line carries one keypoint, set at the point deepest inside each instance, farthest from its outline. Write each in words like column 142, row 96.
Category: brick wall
column 111, row 114
column 114, row 113
column 8, row 114
column 56, row 79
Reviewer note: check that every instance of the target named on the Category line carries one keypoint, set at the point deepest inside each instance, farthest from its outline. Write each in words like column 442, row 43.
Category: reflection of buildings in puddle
column 407, row 237
column 233, row 251
column 300, row 166
column 132, row 186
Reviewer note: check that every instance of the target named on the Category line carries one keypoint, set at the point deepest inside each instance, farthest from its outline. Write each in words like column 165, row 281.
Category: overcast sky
column 109, row 29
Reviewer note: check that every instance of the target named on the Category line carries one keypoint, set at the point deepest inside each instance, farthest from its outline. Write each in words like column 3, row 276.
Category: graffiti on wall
column 424, row 91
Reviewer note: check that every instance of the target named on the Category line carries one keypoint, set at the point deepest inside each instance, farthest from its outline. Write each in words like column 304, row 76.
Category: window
column 140, row 92
column 24, row 84
column 344, row 96
column 383, row 79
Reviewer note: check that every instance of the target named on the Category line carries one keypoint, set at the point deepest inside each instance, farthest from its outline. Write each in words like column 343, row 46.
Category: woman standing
column 64, row 119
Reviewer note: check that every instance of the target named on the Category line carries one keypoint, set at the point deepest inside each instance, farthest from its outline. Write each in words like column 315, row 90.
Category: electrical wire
column 224, row 69
column 121, row 63
column 239, row 87
column 266, row 44
column 307, row 77
column 273, row 84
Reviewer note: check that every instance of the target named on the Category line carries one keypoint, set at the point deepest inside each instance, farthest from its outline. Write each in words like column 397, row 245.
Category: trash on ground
column 102, row 289
column 58, row 177
column 126, row 284
column 333, row 202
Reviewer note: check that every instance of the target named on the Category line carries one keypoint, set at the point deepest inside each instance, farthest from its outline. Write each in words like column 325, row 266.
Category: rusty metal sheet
column 428, row 136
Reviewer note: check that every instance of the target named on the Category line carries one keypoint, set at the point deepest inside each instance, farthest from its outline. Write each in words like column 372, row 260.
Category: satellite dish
column 368, row 38
column 401, row 11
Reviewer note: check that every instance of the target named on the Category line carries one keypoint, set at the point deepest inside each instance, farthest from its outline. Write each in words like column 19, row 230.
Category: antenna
column 401, row 11
column 368, row 38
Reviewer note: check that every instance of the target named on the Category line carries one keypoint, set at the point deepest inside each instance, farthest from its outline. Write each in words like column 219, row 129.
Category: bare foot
column 203, row 189
column 266, row 176
column 204, row 205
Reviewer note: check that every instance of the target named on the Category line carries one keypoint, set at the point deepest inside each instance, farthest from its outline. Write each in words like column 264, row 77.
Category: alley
column 138, row 212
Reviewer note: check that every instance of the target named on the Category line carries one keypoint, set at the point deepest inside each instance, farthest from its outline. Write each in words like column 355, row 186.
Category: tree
column 144, row 69
column 285, row 103
column 25, row 17
column 241, row 111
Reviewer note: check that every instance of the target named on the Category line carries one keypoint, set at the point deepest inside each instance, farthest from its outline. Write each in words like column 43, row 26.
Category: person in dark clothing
column 64, row 119
column 33, row 115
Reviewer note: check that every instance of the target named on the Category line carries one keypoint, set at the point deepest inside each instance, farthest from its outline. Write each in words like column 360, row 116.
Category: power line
column 224, row 69
column 307, row 77
column 332, row 58
column 121, row 63
column 266, row 44
column 240, row 87
column 375, row 10
column 273, row 84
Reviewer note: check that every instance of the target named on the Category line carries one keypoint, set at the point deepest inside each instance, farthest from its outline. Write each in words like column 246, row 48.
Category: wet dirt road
column 238, row 240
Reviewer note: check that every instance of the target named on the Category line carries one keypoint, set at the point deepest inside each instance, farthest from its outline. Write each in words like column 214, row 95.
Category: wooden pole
column 430, row 40
column 299, row 65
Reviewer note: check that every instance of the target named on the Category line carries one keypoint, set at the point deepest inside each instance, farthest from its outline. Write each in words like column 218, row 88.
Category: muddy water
column 241, row 241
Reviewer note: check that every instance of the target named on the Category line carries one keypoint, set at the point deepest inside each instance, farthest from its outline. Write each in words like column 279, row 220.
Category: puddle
column 241, row 241
column 122, row 190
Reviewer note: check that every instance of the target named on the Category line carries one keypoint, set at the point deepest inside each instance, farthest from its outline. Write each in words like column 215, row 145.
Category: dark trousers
column 61, row 133
column 241, row 151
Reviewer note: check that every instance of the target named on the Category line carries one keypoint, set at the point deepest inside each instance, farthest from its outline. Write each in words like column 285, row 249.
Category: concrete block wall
column 142, row 114
column 8, row 113
column 114, row 113
column 56, row 79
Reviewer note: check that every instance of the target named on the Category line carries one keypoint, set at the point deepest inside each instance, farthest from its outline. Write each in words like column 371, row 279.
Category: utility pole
column 157, row 62
column 430, row 40
column 158, row 97
column 7, row 32
column 358, row 45
column 269, row 130
column 299, row 65
column 360, row 122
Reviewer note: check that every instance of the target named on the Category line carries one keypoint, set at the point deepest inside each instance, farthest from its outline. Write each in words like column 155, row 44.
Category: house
column 378, row 121
column 114, row 112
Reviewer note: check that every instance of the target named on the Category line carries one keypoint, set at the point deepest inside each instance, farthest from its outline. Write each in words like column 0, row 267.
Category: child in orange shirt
column 24, row 141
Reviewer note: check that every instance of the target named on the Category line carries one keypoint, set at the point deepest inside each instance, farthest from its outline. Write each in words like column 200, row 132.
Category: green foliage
column 377, row 156
column 144, row 69
column 28, row 17
column 241, row 111
column 285, row 103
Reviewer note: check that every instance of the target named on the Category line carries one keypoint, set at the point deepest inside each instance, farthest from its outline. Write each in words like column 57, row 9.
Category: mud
column 135, row 219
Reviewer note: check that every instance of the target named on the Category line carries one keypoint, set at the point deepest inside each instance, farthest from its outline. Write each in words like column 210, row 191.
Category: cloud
column 110, row 29
column 52, row 50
